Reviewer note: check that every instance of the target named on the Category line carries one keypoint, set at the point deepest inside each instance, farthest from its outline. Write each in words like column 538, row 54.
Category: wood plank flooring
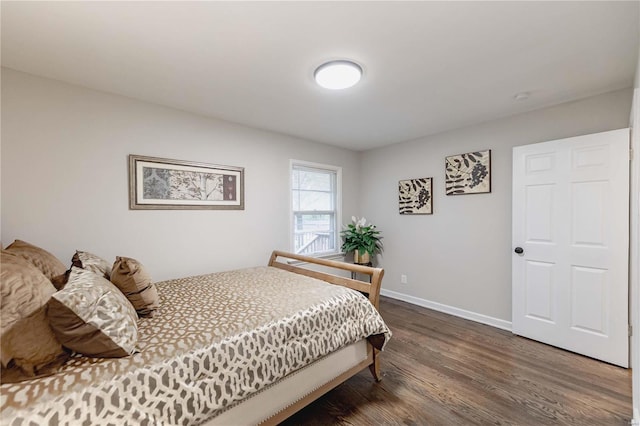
column 443, row 370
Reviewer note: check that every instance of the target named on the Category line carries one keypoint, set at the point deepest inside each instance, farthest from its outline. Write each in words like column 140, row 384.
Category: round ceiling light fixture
column 337, row 75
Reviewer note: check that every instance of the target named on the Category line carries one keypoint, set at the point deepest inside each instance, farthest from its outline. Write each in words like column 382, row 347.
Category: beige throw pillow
column 26, row 338
column 61, row 280
column 132, row 278
column 34, row 348
column 92, row 317
column 91, row 262
column 47, row 263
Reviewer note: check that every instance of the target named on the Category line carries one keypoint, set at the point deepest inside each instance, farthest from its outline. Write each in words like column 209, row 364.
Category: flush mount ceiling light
column 336, row 75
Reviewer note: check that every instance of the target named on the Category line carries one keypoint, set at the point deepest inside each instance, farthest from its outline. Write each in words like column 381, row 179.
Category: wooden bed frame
column 277, row 401
column 371, row 289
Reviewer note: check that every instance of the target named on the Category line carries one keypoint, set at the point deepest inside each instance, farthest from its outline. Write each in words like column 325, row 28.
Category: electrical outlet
column 403, row 279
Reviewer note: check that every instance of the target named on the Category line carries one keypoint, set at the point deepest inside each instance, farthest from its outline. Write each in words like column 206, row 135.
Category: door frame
column 634, row 255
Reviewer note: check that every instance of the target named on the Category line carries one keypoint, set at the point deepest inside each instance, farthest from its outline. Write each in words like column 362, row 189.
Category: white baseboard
column 473, row 316
column 636, row 417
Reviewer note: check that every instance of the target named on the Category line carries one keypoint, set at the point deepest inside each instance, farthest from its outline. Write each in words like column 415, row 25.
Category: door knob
column 519, row 250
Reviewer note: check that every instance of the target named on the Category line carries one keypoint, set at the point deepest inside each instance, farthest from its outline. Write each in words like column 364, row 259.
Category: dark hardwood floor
column 443, row 370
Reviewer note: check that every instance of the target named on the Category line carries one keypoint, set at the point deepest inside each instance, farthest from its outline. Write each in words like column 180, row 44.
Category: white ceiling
column 428, row 66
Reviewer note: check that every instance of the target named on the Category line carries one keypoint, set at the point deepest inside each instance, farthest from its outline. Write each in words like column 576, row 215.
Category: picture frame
column 165, row 184
column 468, row 173
column 415, row 196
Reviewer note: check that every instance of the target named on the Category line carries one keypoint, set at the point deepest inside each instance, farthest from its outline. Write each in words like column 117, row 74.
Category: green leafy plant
column 361, row 237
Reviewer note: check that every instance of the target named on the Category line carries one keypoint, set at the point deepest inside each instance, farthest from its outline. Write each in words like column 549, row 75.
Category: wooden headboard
column 371, row 289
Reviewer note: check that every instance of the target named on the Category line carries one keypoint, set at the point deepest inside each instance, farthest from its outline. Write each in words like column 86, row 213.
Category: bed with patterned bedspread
column 217, row 339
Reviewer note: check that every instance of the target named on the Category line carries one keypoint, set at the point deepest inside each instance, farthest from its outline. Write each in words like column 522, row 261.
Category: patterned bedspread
column 217, row 339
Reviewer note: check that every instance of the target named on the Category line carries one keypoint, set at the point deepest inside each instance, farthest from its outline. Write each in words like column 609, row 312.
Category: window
column 315, row 199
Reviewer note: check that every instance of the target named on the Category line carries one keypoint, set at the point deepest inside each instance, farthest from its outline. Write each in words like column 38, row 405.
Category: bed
column 250, row 346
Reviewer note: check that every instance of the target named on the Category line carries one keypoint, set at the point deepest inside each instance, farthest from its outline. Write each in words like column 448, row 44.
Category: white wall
column 64, row 179
column 460, row 256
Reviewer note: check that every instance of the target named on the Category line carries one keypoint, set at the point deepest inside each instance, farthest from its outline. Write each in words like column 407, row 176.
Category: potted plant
column 361, row 239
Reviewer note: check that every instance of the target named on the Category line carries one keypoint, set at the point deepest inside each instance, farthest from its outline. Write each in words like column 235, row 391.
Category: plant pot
column 361, row 257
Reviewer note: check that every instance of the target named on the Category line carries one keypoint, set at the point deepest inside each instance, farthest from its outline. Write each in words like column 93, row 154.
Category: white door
column 570, row 244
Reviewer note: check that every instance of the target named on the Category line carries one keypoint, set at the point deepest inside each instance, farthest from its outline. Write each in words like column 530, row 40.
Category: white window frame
column 338, row 204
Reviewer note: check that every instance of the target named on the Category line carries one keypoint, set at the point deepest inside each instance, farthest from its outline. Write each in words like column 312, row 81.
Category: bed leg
column 375, row 366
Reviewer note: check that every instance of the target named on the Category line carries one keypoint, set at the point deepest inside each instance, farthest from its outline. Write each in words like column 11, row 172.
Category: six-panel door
column 570, row 218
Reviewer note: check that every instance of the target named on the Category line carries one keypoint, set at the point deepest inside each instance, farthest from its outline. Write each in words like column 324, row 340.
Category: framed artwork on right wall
column 468, row 173
column 415, row 196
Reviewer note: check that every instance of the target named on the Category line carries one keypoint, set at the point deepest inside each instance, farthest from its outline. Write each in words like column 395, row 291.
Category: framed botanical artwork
column 415, row 196
column 468, row 173
column 160, row 183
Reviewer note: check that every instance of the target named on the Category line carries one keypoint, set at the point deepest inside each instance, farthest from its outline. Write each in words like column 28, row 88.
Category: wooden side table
column 353, row 274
